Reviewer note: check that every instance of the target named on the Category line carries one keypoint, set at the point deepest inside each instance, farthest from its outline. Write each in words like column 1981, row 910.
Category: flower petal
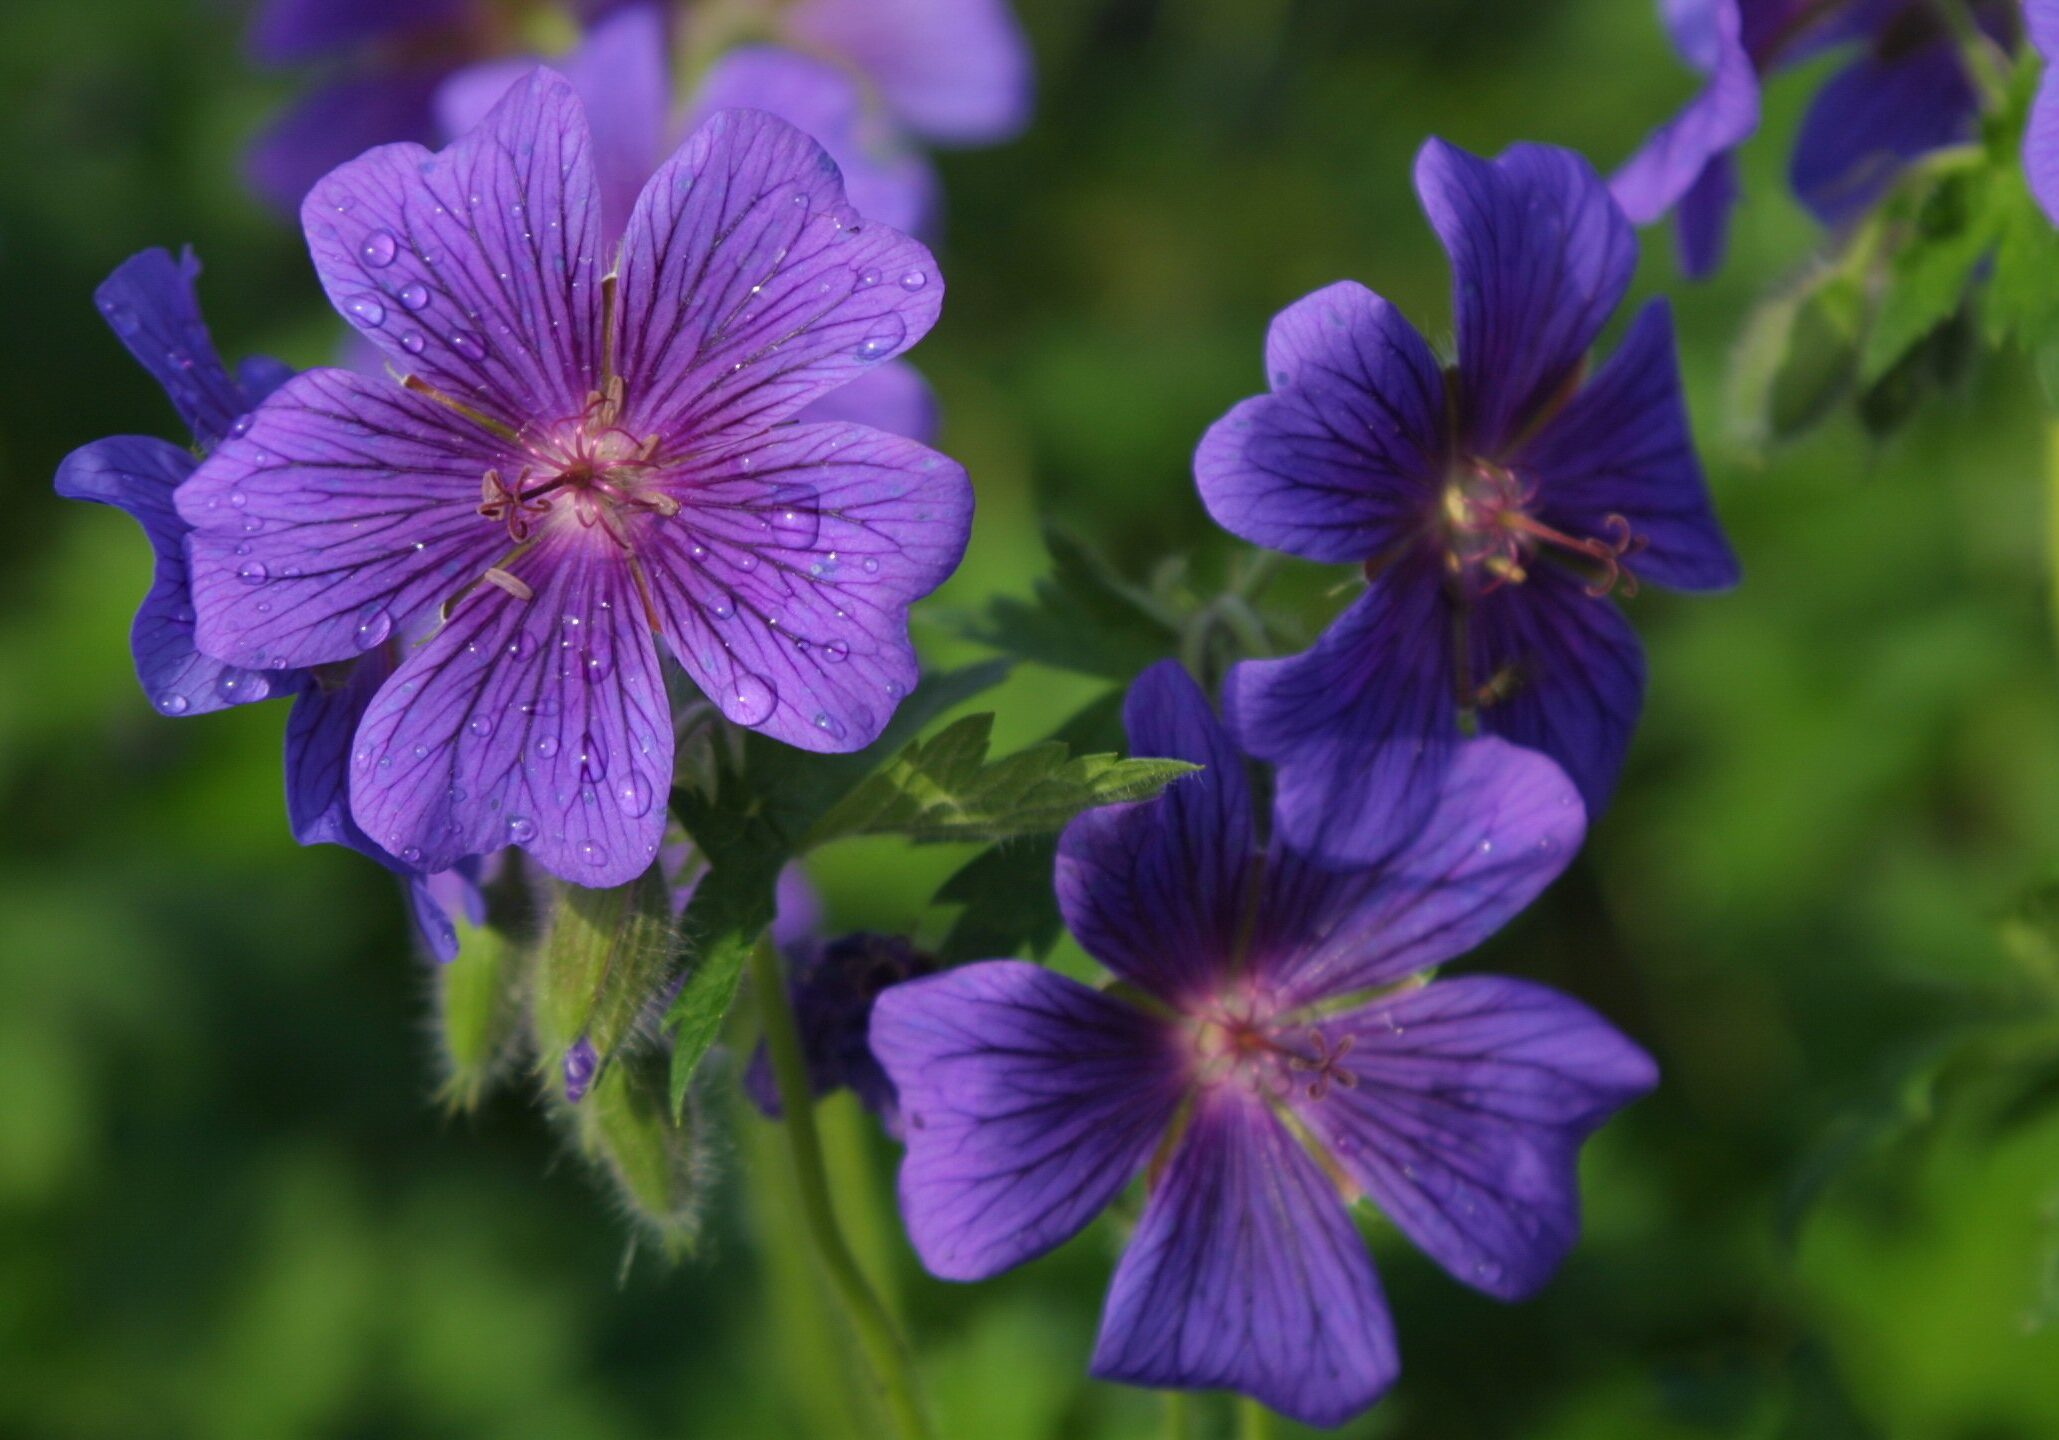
column 1472, row 1098
column 1506, row 822
column 957, row 72
column 886, row 181
column 1577, row 673
column 749, row 287
column 349, row 506
column 1622, row 447
column 1872, row 118
column 1701, row 224
column 2041, row 138
column 1247, row 1274
column 619, row 72
column 1726, row 113
column 540, row 723
column 1360, row 724
column 1341, row 460
column 336, row 123
column 784, row 582
column 892, row 397
column 1540, row 256
column 285, row 32
column 477, row 268
column 320, row 735
column 149, row 303
column 138, row 475
column 1028, row 1102
column 1155, row 890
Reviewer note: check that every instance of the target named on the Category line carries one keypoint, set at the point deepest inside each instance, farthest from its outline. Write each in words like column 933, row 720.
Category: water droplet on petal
column 414, row 297
column 546, row 745
column 378, row 250
column 829, row 725
column 796, row 526
column 240, row 426
column 593, row 757
column 413, row 343
column 887, row 332
column 253, row 572
column 480, row 725
column 468, row 345
column 871, row 566
column 633, row 794
column 749, row 699
column 372, row 629
column 724, row 607
column 914, row 280
column 370, row 311
column 867, row 279
column 837, row 651
column 412, row 855
column 521, row 829
column 173, row 703
column 592, row 854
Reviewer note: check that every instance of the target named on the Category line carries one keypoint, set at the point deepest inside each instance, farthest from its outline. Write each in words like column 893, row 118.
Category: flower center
column 1490, row 536
column 1233, row 1044
column 587, row 466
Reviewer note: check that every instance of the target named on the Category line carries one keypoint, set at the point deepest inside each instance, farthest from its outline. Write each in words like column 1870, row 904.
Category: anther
column 509, row 582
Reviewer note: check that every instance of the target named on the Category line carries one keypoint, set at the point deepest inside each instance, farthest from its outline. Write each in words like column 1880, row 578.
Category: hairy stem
column 886, row 1352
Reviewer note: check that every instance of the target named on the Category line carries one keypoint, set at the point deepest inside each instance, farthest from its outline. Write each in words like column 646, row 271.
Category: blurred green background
column 230, row 1208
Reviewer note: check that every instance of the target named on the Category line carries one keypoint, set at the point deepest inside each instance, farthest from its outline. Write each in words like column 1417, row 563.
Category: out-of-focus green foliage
column 231, row 1206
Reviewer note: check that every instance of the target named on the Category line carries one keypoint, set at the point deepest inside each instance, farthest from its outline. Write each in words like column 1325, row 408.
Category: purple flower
column 2041, row 138
column 833, row 985
column 588, row 452
column 150, row 302
column 1284, row 1059
column 1492, row 505
column 955, row 72
column 1905, row 91
column 620, row 72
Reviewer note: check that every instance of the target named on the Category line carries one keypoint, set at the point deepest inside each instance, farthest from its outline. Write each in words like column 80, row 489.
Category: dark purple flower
column 833, row 986
column 588, row 452
column 1288, row 1059
column 955, row 72
column 1492, row 505
column 149, row 302
column 621, row 74
column 1905, row 91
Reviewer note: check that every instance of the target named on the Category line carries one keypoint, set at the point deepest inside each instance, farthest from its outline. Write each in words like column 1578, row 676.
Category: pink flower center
column 1490, row 534
column 588, row 467
column 1234, row 1042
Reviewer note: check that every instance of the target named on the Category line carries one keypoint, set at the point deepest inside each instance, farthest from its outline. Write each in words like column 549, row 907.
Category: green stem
column 1985, row 62
column 1254, row 1421
column 1179, row 1416
column 2052, row 521
column 885, row 1349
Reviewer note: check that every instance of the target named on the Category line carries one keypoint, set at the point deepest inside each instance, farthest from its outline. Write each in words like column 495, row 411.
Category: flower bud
column 606, row 954
column 476, row 1008
column 627, row 1128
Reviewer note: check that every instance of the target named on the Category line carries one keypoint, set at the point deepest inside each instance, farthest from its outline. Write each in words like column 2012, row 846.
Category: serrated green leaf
column 1009, row 905
column 1956, row 226
column 1084, row 616
column 943, row 788
column 1797, row 357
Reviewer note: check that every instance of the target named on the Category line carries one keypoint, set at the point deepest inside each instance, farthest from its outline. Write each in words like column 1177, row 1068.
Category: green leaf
column 1009, row 905
column 1085, row 617
column 1797, row 358
column 1955, row 228
column 943, row 788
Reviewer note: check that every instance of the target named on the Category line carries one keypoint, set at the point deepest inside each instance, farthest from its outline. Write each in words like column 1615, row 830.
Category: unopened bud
column 477, row 1011
column 606, row 955
column 627, row 1128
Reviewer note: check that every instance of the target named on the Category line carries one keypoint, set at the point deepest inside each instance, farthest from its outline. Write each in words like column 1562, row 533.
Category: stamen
column 1327, row 1065
column 511, row 583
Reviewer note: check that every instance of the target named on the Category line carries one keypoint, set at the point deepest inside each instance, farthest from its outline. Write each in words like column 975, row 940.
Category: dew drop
column 724, row 607
column 240, row 426
column 886, row 333
column 914, row 280
column 867, row 279
column 837, row 651
column 521, row 829
column 592, row 854
column 468, row 345
column 239, row 687
column 372, row 629
column 593, row 757
column 413, row 343
column 412, row 854
column 747, row 562
column 749, row 699
column 414, row 297
column 871, row 565
column 546, row 745
column 124, row 320
column 253, row 572
column 633, row 794
column 796, row 526
column 370, row 311
column 829, row 725
column 173, row 703
column 378, row 250
column 481, row 725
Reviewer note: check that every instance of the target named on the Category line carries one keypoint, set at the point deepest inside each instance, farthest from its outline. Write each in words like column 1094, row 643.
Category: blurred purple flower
column 586, row 452
column 955, row 72
column 1492, row 505
column 833, row 985
column 1904, row 92
column 1287, row 1060
column 150, row 302
column 621, row 74
column 2041, row 139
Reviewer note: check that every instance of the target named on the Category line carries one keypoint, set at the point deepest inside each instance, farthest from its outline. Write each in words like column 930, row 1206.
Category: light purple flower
column 1286, row 1059
column 1491, row 505
column 1905, row 91
column 150, row 302
column 2041, row 138
column 955, row 72
column 621, row 74
column 588, row 452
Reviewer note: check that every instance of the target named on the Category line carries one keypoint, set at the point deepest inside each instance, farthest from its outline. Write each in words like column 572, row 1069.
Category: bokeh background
column 230, row 1208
